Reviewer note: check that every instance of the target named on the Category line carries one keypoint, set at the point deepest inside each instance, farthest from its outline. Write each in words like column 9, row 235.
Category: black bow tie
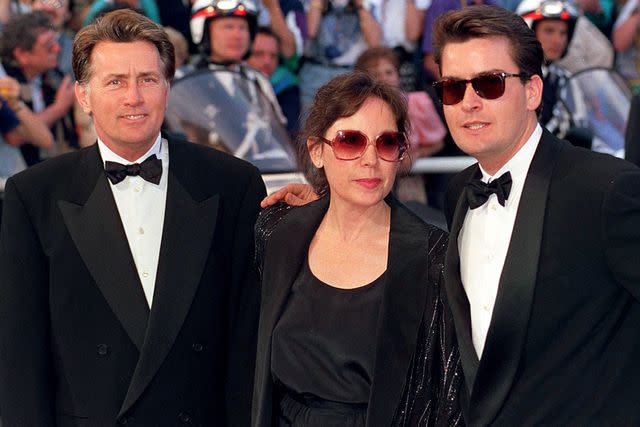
column 149, row 170
column 478, row 192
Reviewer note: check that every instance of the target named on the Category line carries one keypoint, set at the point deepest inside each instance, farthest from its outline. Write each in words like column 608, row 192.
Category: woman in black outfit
column 353, row 329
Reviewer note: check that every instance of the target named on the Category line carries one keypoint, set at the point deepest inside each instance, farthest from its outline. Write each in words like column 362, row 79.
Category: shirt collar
column 108, row 155
column 518, row 165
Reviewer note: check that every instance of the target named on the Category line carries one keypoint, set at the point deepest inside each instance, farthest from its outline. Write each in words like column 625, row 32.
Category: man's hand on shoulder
column 292, row 194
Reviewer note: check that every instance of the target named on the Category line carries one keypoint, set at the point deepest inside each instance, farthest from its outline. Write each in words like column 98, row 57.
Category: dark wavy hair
column 342, row 97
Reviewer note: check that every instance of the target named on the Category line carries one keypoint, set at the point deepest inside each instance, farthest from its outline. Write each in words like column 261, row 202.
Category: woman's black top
column 324, row 345
column 434, row 376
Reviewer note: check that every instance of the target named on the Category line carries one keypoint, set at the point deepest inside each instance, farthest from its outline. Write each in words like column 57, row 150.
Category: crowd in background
column 298, row 45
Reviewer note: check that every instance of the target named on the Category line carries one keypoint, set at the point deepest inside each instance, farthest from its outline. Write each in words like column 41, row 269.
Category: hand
column 318, row 5
column 65, row 95
column 292, row 194
column 9, row 89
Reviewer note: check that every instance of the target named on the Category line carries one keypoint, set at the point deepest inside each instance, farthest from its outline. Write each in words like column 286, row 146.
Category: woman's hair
column 342, row 97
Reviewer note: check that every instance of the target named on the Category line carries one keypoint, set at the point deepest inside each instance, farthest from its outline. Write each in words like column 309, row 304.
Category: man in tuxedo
column 543, row 267
column 128, row 293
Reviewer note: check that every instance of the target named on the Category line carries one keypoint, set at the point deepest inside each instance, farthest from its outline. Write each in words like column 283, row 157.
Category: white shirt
column 484, row 240
column 141, row 205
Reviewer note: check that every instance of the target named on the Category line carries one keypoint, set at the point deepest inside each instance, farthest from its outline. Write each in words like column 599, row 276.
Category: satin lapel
column 285, row 252
column 507, row 331
column 96, row 229
column 457, row 296
column 406, row 289
column 188, row 230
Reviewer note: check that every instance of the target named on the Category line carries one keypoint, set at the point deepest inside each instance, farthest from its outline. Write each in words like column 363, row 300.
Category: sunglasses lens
column 389, row 145
column 349, row 144
column 451, row 91
column 489, row 86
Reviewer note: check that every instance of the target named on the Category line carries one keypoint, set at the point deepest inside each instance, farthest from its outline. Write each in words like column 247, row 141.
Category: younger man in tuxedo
column 126, row 267
column 542, row 270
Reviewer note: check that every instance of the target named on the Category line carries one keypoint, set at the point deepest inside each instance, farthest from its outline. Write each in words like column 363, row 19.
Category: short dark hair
column 342, row 97
column 484, row 21
column 120, row 26
column 370, row 58
column 22, row 31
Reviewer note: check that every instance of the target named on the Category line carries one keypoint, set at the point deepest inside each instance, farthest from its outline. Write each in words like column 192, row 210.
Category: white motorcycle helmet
column 203, row 11
column 534, row 11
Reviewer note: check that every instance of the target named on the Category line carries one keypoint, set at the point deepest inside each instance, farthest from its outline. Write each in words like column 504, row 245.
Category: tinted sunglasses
column 487, row 86
column 351, row 144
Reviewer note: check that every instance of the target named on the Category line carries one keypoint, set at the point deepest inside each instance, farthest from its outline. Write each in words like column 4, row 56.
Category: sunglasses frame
column 402, row 147
column 502, row 75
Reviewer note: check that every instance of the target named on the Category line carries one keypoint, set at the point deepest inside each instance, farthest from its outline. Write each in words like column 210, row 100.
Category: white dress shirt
column 141, row 205
column 484, row 240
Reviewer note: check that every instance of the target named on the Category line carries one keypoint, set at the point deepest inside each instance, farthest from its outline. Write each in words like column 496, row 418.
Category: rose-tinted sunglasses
column 487, row 86
column 351, row 144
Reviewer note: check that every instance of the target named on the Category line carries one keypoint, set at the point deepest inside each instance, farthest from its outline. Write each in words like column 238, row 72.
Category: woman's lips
column 369, row 182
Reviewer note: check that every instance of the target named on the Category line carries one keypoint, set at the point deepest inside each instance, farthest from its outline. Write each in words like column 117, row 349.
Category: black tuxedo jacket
column 411, row 316
column 78, row 343
column 564, row 340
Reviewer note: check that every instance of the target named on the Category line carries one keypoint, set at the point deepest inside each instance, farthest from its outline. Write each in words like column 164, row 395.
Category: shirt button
column 103, row 349
column 486, row 308
column 145, row 274
column 184, row 417
column 137, row 189
column 140, row 230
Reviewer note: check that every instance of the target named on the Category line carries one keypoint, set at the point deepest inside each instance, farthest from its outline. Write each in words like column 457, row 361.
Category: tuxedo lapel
column 187, row 233
column 285, row 251
column 95, row 227
column 456, row 294
column 406, row 288
column 509, row 321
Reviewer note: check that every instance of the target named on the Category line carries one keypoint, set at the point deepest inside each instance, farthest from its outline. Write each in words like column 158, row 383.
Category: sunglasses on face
column 487, row 86
column 351, row 144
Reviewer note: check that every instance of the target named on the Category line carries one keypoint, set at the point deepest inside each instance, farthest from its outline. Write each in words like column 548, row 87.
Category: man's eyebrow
column 126, row 75
column 114, row 76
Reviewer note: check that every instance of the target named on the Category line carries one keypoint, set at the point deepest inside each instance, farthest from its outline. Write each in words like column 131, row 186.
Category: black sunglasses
column 487, row 86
